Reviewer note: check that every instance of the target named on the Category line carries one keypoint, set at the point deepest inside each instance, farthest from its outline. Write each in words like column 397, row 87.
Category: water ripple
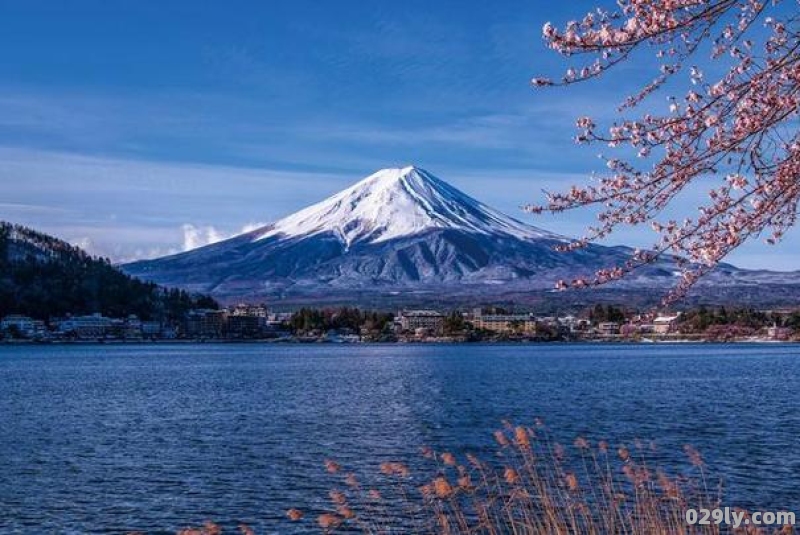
column 108, row 439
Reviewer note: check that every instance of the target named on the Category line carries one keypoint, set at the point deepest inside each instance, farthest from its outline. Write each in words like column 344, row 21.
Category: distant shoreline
column 681, row 341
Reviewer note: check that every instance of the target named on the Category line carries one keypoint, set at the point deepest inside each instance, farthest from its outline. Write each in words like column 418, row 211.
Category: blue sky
column 136, row 129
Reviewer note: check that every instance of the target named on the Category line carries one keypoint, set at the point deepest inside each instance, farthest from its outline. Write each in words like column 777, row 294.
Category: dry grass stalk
column 538, row 487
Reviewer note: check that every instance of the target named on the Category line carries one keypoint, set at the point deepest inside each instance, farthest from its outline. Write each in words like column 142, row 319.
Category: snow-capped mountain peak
column 394, row 203
column 399, row 235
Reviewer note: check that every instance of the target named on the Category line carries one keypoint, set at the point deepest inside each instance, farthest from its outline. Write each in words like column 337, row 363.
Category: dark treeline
column 601, row 313
column 307, row 320
column 42, row 277
column 702, row 318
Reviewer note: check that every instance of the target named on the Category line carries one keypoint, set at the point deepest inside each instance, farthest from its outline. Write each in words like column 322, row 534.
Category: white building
column 574, row 324
column 276, row 319
column 24, row 326
column 665, row 324
column 243, row 309
column 608, row 328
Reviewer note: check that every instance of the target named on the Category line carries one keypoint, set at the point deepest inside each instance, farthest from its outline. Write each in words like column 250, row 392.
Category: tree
column 601, row 314
column 739, row 126
column 454, row 324
column 14, row 332
column 516, row 326
column 41, row 276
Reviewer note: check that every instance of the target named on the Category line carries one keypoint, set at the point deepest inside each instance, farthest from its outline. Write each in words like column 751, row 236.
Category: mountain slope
column 395, row 203
column 42, row 276
column 398, row 230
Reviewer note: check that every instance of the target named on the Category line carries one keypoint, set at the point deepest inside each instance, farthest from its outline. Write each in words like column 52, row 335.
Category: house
column 665, row 324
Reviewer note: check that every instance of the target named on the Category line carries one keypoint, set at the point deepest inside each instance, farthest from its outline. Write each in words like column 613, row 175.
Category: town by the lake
column 351, row 325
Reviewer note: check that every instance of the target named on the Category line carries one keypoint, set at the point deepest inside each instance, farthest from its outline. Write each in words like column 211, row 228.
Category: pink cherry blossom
column 739, row 128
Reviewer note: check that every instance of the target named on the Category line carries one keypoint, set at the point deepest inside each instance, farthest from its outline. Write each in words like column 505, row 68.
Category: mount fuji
column 399, row 235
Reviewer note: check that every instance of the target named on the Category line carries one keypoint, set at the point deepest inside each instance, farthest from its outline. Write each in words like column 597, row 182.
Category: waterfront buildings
column 86, row 327
column 418, row 320
column 608, row 328
column 23, row 326
column 504, row 323
column 205, row 323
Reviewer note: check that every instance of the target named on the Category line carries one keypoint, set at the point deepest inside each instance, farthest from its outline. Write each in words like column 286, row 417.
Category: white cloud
column 194, row 236
column 84, row 243
column 135, row 209
column 250, row 227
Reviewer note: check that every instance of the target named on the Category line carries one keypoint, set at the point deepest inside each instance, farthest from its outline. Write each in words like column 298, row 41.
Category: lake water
column 104, row 439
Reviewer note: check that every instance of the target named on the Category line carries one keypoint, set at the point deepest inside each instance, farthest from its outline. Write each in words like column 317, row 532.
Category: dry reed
column 533, row 486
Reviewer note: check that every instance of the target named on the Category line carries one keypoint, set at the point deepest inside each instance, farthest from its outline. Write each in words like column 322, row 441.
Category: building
column 779, row 333
column 242, row 309
column 548, row 321
column 93, row 326
column 665, row 324
column 276, row 320
column 574, row 324
column 608, row 328
column 645, row 328
column 416, row 320
column 132, row 328
column 242, row 326
column 87, row 327
column 23, row 326
column 151, row 329
column 504, row 323
column 246, row 321
column 205, row 323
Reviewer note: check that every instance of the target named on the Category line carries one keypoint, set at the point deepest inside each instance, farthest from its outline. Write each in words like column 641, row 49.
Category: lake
column 112, row 438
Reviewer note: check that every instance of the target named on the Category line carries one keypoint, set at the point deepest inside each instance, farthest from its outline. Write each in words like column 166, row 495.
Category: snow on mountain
column 398, row 230
column 394, row 203
column 401, row 234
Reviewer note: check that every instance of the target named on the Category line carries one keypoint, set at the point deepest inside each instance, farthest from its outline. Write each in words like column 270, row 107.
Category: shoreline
column 621, row 341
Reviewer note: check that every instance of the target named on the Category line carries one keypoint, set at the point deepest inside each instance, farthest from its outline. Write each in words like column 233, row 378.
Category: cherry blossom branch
column 742, row 128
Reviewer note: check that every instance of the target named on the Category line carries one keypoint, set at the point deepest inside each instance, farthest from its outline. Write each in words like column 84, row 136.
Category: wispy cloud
column 126, row 208
column 277, row 117
column 246, row 132
column 195, row 236
column 129, row 209
column 10, row 209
